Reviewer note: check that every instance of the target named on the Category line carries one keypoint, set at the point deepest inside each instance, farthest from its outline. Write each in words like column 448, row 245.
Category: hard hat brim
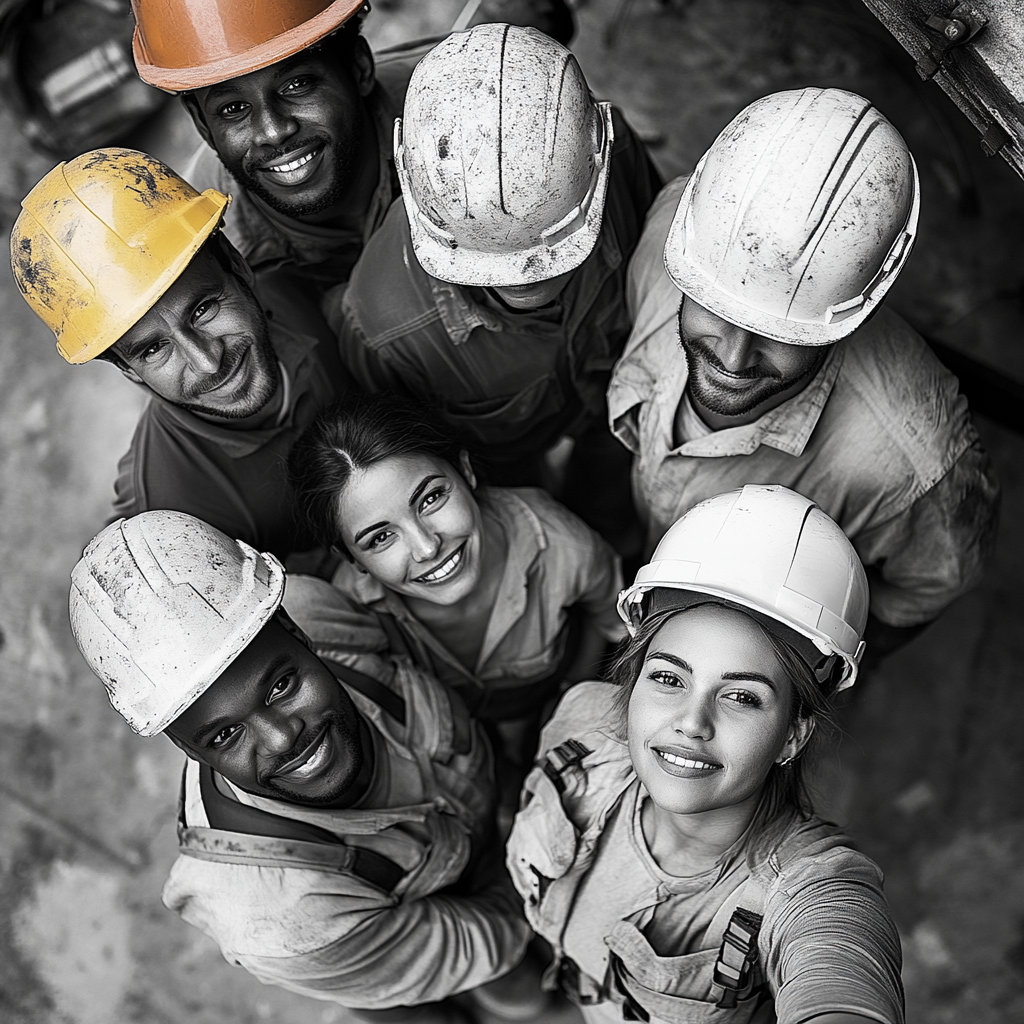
column 148, row 299
column 475, row 269
column 689, row 278
column 629, row 599
column 185, row 79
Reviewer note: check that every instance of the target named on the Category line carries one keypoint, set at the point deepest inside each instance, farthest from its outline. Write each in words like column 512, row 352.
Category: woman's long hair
column 354, row 434
column 785, row 795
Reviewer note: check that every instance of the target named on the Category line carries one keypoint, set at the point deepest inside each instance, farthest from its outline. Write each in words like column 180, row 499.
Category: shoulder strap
column 372, row 689
column 279, row 841
column 733, row 973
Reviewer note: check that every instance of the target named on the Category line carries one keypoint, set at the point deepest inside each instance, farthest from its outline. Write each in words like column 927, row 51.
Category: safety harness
column 240, row 834
column 733, row 971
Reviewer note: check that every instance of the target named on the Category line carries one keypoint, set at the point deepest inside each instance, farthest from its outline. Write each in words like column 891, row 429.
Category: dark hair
column 785, row 795
column 356, row 433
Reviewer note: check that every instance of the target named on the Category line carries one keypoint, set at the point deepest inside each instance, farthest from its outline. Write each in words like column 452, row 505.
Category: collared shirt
column 554, row 562
column 331, row 935
column 513, row 381
column 827, row 943
column 268, row 239
column 879, row 438
column 235, row 480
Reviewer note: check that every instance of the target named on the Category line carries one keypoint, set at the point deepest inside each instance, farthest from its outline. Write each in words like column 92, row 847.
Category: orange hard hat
column 188, row 44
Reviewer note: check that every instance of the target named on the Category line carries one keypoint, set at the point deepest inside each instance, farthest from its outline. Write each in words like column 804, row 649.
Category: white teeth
column 685, row 762
column 314, row 764
column 443, row 570
column 295, row 164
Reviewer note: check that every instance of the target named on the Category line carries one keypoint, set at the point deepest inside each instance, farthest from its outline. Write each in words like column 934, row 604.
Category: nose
column 695, row 718
column 425, row 543
column 736, row 348
column 203, row 355
column 274, row 733
column 272, row 126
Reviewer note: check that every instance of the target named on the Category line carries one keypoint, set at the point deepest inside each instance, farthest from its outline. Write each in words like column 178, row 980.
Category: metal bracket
column 963, row 23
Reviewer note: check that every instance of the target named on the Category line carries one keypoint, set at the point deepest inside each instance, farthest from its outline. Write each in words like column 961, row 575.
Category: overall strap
column 372, row 689
column 733, row 973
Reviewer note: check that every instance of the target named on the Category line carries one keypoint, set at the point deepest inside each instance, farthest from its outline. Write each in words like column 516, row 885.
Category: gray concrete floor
column 927, row 774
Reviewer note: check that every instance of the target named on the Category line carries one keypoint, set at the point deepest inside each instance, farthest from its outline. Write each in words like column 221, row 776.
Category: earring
column 785, row 762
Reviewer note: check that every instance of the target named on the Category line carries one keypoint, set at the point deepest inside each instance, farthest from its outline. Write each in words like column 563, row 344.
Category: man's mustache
column 698, row 350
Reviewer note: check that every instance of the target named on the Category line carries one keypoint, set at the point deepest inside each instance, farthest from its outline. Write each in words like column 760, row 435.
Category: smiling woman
column 501, row 593
column 667, row 847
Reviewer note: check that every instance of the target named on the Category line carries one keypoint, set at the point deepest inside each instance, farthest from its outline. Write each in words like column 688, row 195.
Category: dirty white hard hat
column 770, row 551
column 799, row 218
column 161, row 604
column 503, row 157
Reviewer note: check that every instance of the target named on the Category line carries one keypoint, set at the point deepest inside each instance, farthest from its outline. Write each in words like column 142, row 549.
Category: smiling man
column 779, row 364
column 336, row 826
column 125, row 262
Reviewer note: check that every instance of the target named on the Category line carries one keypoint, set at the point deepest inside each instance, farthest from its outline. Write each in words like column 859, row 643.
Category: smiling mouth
column 310, row 762
column 232, row 376
column 445, row 569
column 679, row 761
column 294, row 165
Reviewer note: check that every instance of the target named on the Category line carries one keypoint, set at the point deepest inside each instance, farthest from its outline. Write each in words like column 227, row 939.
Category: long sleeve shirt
column 880, row 438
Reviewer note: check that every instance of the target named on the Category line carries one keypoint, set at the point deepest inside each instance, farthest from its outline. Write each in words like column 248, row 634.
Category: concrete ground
column 927, row 774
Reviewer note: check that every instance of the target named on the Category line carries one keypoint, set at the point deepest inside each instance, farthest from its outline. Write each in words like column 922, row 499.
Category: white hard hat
column 799, row 217
column 161, row 604
column 773, row 552
column 503, row 158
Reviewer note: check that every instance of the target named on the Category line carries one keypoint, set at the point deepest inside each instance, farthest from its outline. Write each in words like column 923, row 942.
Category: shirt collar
column 460, row 315
column 294, row 351
column 657, row 373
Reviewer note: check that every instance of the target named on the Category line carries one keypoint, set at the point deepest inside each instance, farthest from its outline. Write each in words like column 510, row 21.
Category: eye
column 233, row 110
column 670, row 680
column 298, row 85
column 744, row 698
column 204, row 312
column 282, row 687
column 151, row 352
column 224, row 736
column 434, row 497
column 375, row 542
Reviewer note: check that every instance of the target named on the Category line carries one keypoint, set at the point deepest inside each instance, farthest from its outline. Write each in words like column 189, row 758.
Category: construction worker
column 337, row 815
column 784, row 242
column 495, row 291
column 500, row 593
column 298, row 129
column 667, row 847
column 125, row 262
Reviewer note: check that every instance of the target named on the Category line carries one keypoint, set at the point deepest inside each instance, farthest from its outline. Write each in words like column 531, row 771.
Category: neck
column 690, row 844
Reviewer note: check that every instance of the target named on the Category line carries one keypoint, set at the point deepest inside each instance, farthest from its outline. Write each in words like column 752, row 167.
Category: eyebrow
column 369, row 529
column 665, row 656
column 212, row 728
column 757, row 677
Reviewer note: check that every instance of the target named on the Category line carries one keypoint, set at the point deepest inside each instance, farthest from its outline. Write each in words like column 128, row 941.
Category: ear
column 800, row 733
column 179, row 744
column 362, row 69
column 465, row 467
column 123, row 366
column 191, row 104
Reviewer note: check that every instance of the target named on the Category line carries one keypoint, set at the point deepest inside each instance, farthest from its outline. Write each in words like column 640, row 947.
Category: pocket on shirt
column 499, row 421
column 677, row 989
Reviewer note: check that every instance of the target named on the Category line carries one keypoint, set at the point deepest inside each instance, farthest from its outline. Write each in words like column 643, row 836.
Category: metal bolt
column 954, row 30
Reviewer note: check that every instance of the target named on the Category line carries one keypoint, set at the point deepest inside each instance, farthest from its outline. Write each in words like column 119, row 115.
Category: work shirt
column 555, row 563
column 623, row 929
column 235, row 480
column 331, row 934
column 513, row 381
column 268, row 239
column 880, row 438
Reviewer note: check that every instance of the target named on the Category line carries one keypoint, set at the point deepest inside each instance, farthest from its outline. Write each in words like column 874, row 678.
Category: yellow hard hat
column 101, row 238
